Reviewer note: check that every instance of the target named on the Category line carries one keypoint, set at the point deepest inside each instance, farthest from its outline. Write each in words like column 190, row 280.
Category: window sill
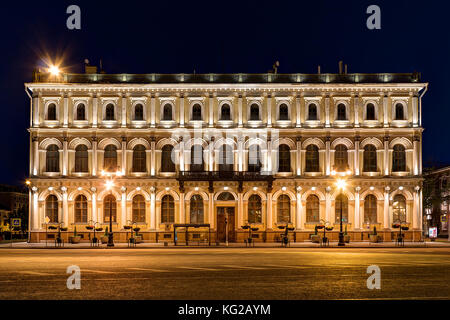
column 371, row 174
column 167, row 174
column 138, row 174
column 80, row 123
column 80, row 174
column 312, row 174
column 312, row 123
column 51, row 174
column 283, row 174
column 400, row 173
column 138, row 123
column 399, row 123
column 51, row 123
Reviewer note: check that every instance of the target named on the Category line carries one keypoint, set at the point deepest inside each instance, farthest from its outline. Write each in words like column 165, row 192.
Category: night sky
column 222, row 37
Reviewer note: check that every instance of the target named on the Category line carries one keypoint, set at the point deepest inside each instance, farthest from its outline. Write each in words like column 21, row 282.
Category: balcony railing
column 224, row 175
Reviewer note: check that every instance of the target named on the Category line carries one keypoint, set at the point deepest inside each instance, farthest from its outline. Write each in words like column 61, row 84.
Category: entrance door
column 225, row 216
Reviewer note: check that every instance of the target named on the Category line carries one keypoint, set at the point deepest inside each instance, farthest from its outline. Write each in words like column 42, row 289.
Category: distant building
column 436, row 189
column 14, row 203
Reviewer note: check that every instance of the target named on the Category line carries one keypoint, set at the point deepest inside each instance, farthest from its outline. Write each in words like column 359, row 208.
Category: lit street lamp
column 109, row 183
column 341, row 184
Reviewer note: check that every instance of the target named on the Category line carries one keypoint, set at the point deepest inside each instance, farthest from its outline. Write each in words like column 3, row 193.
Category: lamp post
column 341, row 184
column 109, row 183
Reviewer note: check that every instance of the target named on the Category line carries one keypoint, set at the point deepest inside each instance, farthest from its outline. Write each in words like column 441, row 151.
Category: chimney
column 345, row 69
column 318, row 69
column 88, row 68
column 340, row 67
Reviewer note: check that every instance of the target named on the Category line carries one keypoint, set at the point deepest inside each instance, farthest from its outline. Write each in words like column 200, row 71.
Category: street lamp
column 341, row 184
column 109, row 183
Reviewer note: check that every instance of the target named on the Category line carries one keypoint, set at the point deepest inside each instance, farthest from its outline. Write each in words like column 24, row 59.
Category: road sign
column 15, row 222
column 443, row 219
column 47, row 219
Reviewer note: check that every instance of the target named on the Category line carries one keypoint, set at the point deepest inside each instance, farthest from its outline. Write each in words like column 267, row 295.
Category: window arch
column 312, row 209
column 138, row 208
column 341, row 202
column 167, row 209
column 167, row 112
column 81, row 112
column 312, row 158
column 254, row 209
column 254, row 158
column 197, row 158
column 370, row 111
column 139, row 159
column 52, row 158
column 341, row 158
column 284, row 209
column 197, row 112
column 370, row 209
column 81, row 158
column 312, row 112
column 225, row 196
column 284, row 158
column 341, row 112
column 196, row 208
column 167, row 164
column 226, row 158
column 399, row 209
column 51, row 112
column 110, row 158
column 81, row 205
column 139, row 112
column 283, row 112
column 370, row 158
column 254, row 112
column 109, row 208
column 399, row 158
column 399, row 112
column 51, row 208
column 225, row 112
column 109, row 112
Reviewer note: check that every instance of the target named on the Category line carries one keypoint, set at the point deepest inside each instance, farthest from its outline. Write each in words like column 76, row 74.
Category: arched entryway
column 226, row 217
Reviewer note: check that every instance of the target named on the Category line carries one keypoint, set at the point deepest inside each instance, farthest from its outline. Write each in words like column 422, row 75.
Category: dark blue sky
column 222, row 37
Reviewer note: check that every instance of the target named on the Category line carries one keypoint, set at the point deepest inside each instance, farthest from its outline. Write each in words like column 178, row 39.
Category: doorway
column 225, row 216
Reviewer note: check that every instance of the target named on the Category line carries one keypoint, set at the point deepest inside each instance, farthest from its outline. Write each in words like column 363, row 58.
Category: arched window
column 254, row 158
column 167, row 112
column 341, row 202
column 370, row 158
column 109, row 208
column 81, row 112
column 225, row 113
column 312, row 158
column 81, row 209
column 197, row 158
column 196, row 207
column 167, row 164
column 167, row 209
column 312, row 112
column 139, row 112
column 51, row 208
column 254, row 209
column 138, row 208
column 341, row 158
column 109, row 112
column 399, row 209
column 284, row 112
column 370, row 209
column 226, row 158
column 312, row 209
column 341, row 112
column 283, row 209
column 399, row 158
column 370, row 111
column 254, row 112
column 284, row 158
column 51, row 111
column 139, row 159
column 81, row 158
column 110, row 158
column 197, row 112
column 225, row 196
column 52, row 158
column 399, row 112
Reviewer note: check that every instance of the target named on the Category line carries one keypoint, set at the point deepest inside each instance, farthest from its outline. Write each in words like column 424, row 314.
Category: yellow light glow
column 54, row 70
column 118, row 173
column 349, row 172
column 341, row 184
column 333, row 172
column 28, row 182
column 109, row 184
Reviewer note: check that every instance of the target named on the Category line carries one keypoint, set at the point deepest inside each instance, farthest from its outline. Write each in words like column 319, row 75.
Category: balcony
column 224, row 176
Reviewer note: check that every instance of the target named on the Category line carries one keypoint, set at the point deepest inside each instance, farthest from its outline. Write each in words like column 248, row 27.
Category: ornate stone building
column 259, row 149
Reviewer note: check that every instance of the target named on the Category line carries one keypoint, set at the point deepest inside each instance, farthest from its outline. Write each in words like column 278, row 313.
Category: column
column 415, row 112
column 34, row 223
column 385, row 111
column 416, row 155
column 66, row 111
column 269, row 155
column 269, row 111
column 181, row 110
column 182, row 217
column 211, row 154
column 327, row 112
column 386, row 155
column 124, row 208
column 124, row 110
column 153, row 156
column 94, row 110
column 94, row 156
column 297, row 108
column 152, row 111
column 65, row 157
column 269, row 211
column 387, row 224
column 181, row 156
column 240, row 209
column 211, row 110
column 35, row 156
column 357, row 109
column 356, row 164
column 152, row 209
column 328, row 205
column 299, row 156
column 94, row 204
column 416, row 219
column 327, row 156
column 65, row 208
column 240, row 111
column 36, row 105
column 211, row 210
column 300, row 218
column 241, row 154
column 124, row 155
column 357, row 219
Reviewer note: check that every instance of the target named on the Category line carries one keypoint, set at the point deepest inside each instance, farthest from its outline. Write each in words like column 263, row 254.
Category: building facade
column 232, row 150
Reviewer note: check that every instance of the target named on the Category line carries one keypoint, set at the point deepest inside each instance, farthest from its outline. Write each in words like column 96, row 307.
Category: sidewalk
column 306, row 244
